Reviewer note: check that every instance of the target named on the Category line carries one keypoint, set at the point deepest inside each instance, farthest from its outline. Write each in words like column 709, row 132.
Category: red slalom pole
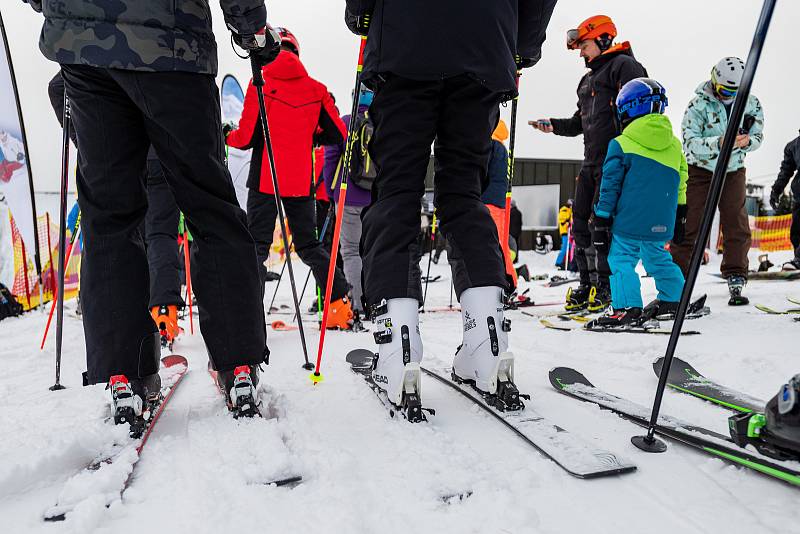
column 316, row 377
column 55, row 288
column 188, row 266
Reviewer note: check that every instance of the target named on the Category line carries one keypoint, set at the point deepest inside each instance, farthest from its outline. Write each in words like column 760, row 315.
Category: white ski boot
column 483, row 359
column 396, row 369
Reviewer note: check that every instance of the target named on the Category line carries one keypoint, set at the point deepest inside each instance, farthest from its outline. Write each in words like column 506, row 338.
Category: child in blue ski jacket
column 644, row 194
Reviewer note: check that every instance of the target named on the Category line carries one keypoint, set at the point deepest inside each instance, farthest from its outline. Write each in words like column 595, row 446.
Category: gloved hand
column 264, row 45
column 775, row 198
column 525, row 62
column 601, row 234
column 679, row 235
column 228, row 127
column 358, row 24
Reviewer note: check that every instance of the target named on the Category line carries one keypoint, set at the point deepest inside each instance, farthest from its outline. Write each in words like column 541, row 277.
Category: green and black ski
column 573, row 384
column 686, row 379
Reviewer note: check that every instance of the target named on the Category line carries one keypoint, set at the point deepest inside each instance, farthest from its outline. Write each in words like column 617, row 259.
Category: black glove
column 525, row 62
column 679, row 235
column 228, row 127
column 358, row 24
column 775, row 198
column 601, row 234
column 264, row 45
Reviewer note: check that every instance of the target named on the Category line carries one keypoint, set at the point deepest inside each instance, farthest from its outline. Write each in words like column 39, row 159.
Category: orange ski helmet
column 599, row 27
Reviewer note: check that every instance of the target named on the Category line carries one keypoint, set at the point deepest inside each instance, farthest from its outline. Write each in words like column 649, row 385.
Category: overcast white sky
column 677, row 41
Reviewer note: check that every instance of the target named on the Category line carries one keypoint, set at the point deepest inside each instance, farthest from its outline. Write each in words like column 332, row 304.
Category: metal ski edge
column 695, row 437
column 620, row 469
column 168, row 361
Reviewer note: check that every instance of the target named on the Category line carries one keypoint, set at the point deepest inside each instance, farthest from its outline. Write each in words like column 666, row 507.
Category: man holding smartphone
column 610, row 67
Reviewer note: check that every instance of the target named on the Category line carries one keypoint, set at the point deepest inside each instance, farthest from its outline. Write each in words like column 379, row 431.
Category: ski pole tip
column 316, row 377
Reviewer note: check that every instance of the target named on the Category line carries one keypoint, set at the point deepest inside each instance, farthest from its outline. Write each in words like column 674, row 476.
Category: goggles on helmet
column 573, row 37
column 725, row 91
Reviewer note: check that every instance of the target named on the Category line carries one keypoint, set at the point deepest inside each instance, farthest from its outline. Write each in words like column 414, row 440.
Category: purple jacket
column 356, row 196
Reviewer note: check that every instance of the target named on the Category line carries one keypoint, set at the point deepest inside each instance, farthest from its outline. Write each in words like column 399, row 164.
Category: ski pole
column 280, row 277
column 648, row 442
column 510, row 179
column 70, row 248
column 325, row 224
column 430, row 258
column 62, row 240
column 451, row 293
column 566, row 252
column 188, row 267
column 316, row 377
column 258, row 83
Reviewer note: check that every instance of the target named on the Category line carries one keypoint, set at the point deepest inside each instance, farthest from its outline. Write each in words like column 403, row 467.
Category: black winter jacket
column 597, row 94
column 436, row 39
column 789, row 167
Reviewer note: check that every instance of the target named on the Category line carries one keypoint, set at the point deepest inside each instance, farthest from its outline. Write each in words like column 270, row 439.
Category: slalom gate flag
column 19, row 245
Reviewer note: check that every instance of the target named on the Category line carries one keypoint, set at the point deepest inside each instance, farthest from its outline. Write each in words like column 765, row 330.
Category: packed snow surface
column 364, row 472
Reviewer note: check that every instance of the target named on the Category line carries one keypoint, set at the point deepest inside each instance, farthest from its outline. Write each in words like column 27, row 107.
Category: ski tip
column 316, row 378
column 174, row 359
column 563, row 377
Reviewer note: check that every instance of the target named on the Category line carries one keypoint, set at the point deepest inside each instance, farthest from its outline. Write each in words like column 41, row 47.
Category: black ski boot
column 599, row 297
column 793, row 265
column 239, row 387
column 578, row 298
column 660, row 310
column 736, row 284
column 134, row 400
column 776, row 432
column 622, row 318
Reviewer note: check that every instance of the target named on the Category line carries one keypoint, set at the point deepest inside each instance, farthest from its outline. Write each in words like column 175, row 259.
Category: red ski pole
column 316, row 377
column 187, row 265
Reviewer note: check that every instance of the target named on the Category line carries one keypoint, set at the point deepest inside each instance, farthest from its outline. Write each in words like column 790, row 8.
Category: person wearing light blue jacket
column 703, row 128
column 644, row 194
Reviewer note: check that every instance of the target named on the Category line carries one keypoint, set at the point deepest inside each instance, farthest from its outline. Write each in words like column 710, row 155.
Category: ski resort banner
column 238, row 160
column 16, row 184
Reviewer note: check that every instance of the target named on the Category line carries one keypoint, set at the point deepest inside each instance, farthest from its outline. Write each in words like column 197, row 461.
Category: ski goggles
column 725, row 91
column 573, row 38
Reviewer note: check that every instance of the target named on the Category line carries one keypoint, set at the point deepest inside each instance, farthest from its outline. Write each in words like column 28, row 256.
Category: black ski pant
column 459, row 114
column 117, row 115
column 261, row 215
column 592, row 265
column 794, row 232
column 161, row 238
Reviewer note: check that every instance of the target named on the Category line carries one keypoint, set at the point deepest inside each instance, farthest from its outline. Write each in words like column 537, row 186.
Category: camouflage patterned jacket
column 704, row 124
column 143, row 35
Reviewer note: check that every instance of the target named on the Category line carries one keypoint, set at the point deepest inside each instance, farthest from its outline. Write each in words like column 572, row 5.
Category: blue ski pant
column 626, row 290
column 563, row 252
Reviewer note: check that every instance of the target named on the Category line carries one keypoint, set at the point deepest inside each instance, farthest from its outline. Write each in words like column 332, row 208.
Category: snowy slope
column 366, row 473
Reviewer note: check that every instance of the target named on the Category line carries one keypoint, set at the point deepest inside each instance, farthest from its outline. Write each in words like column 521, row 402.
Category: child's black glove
column 679, row 235
column 601, row 234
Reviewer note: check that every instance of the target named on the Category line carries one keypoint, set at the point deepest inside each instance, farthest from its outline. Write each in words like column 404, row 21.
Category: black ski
column 173, row 369
column 571, row 453
column 556, row 281
column 573, row 384
column 686, row 379
column 361, row 362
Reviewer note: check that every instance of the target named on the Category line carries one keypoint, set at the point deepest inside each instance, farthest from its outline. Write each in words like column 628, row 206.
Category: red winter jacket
column 300, row 113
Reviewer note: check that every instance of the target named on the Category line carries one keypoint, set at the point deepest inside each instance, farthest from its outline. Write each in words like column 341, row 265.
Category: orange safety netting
column 26, row 284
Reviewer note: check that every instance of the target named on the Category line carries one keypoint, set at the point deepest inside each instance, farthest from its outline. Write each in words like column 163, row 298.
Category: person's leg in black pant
column 582, row 211
column 390, row 224
column 117, row 116
column 468, row 114
column 121, row 337
column 261, row 214
column 161, row 236
column 300, row 212
column 794, row 233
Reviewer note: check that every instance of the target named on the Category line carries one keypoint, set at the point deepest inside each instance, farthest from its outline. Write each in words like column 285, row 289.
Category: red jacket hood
column 286, row 66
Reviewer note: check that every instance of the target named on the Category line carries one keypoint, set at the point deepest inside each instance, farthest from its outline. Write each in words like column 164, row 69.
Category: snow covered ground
column 366, row 473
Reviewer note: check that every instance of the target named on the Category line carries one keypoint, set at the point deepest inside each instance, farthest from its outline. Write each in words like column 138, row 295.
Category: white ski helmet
column 726, row 76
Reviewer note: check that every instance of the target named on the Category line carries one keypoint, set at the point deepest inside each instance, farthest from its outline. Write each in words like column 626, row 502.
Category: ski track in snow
column 364, row 472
